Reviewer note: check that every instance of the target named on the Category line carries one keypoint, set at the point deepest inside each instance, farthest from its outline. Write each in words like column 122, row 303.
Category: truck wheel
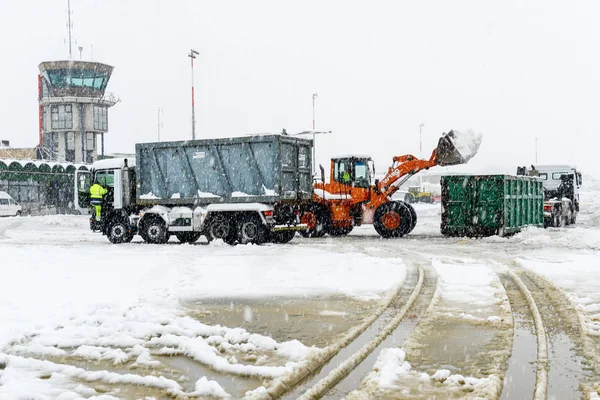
column 283, row 236
column 154, row 230
column 317, row 218
column 188, row 237
column 392, row 219
column 250, row 229
column 408, row 198
column 413, row 215
column 119, row 232
column 222, row 227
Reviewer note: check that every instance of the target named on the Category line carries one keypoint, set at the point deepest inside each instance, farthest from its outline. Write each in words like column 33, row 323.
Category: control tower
column 73, row 110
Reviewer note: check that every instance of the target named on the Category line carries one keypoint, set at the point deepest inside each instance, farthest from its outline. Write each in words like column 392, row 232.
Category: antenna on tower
column 69, row 27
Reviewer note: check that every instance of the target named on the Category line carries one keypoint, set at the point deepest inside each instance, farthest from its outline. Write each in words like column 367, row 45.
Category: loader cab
column 353, row 170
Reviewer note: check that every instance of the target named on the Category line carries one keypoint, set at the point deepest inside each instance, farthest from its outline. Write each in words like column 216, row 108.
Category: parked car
column 8, row 206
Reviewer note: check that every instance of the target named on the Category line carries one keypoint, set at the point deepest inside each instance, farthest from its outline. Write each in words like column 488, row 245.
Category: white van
column 8, row 206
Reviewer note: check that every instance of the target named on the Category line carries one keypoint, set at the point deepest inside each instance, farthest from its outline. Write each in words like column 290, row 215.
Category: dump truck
column 561, row 192
column 353, row 197
column 241, row 190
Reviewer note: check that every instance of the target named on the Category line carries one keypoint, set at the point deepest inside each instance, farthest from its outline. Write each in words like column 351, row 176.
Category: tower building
column 73, row 110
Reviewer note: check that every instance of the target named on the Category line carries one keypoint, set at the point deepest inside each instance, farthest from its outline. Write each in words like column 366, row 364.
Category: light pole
column 421, row 140
column 159, row 124
column 192, row 56
column 421, row 153
column 314, row 96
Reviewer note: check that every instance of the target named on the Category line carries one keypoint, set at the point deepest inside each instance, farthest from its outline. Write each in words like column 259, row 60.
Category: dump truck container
column 486, row 205
column 253, row 169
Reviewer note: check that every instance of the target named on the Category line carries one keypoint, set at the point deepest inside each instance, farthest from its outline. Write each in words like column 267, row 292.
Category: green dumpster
column 486, row 205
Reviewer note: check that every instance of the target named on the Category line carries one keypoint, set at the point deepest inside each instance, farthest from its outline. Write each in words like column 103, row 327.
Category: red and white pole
column 192, row 55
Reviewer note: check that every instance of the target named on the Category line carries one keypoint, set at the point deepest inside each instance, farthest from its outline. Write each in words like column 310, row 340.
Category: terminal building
column 73, row 110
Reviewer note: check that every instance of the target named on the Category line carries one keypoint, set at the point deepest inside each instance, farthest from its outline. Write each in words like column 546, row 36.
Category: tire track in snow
column 324, row 384
column 560, row 373
column 320, row 368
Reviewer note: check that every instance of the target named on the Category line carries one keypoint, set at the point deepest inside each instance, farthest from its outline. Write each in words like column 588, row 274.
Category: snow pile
column 204, row 387
column 467, row 143
column 392, row 372
column 390, row 365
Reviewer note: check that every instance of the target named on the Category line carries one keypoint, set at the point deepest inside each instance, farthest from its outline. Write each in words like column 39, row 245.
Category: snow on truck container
column 262, row 169
column 486, row 205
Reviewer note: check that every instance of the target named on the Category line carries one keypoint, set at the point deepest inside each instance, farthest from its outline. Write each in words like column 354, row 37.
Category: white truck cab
column 561, row 191
column 8, row 206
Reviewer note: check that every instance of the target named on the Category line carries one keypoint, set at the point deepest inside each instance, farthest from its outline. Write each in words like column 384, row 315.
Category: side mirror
column 322, row 173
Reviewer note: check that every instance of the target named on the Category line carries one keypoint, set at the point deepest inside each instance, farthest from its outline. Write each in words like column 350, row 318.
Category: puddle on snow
column 315, row 321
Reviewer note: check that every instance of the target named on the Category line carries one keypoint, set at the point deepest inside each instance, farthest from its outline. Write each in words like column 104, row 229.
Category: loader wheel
column 188, row 237
column 154, row 230
column 119, row 232
column 393, row 219
column 413, row 215
column 408, row 198
column 316, row 217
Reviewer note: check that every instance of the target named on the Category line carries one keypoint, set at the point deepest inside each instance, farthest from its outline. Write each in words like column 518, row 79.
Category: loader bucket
column 457, row 147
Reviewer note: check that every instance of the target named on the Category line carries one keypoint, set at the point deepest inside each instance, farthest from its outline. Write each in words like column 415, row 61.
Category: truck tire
column 250, row 229
column 393, row 219
column 119, row 232
column 413, row 215
column 282, row 236
column 222, row 226
column 316, row 216
column 154, row 230
column 409, row 198
column 188, row 237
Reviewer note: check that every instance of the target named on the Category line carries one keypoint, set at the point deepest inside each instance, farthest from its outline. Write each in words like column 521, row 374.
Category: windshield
column 361, row 173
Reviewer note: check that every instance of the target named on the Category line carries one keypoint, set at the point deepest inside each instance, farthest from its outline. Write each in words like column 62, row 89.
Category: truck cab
column 117, row 175
column 561, row 191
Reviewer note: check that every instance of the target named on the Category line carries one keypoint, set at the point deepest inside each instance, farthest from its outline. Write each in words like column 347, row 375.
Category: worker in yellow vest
column 97, row 192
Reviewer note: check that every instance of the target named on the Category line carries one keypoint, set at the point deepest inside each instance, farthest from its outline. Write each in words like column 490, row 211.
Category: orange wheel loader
column 351, row 199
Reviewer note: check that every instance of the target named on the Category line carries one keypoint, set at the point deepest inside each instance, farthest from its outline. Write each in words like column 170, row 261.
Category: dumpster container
column 486, row 205
column 251, row 169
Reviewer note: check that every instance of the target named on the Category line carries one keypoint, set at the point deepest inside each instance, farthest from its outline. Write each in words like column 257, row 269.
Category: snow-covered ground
column 82, row 318
column 67, row 293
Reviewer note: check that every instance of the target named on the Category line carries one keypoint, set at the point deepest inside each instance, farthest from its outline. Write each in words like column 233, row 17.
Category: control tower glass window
column 90, row 78
column 100, row 118
column 62, row 116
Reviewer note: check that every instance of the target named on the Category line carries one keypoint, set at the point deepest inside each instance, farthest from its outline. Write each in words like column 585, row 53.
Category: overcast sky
column 512, row 70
